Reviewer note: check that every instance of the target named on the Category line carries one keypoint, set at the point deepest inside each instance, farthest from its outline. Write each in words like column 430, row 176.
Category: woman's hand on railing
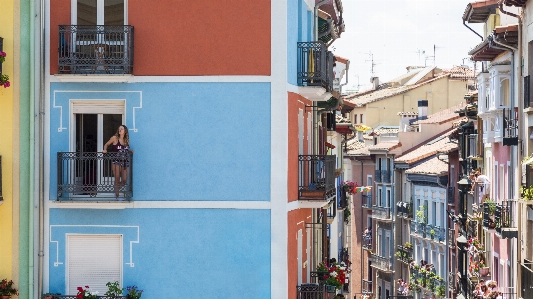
column 104, row 152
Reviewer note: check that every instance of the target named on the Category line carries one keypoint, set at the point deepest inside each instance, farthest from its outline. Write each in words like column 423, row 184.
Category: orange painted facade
column 190, row 38
column 296, row 222
column 296, row 102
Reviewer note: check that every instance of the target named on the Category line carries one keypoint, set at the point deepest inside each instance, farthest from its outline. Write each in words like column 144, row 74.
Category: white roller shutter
column 93, row 260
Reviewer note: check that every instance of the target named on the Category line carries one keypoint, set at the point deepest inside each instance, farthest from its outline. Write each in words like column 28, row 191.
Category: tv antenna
column 372, row 64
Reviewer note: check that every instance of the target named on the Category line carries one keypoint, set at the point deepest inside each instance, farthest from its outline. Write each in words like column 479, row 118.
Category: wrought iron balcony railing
column 367, row 200
column 316, row 177
column 435, row 233
column 377, row 176
column 404, row 254
column 404, row 210
column 312, row 291
column 505, row 219
column 367, row 242
column 100, row 49
column 451, row 195
column 381, row 263
column 488, row 215
column 451, row 238
column 381, row 213
column 343, row 200
column 419, row 229
column 386, row 176
column 367, row 287
column 89, row 176
column 315, row 65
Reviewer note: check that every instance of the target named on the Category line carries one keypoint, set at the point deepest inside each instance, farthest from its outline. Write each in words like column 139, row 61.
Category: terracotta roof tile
column 442, row 116
column 440, row 144
column 388, row 145
column 356, row 148
column 461, row 72
column 431, row 166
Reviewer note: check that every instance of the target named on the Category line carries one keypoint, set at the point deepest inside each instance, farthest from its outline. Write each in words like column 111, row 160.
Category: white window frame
column 99, row 13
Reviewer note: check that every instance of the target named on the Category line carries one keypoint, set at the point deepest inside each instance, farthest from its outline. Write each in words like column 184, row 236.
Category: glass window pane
column 86, row 11
column 114, row 12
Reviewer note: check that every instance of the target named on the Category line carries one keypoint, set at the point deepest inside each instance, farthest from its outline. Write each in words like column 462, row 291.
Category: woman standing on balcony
column 121, row 163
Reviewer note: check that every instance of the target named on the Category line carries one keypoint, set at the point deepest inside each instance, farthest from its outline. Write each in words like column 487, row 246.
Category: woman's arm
column 111, row 140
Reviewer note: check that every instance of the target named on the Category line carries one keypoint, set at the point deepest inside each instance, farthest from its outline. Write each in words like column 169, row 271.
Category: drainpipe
column 40, row 151
column 315, row 30
column 464, row 23
column 518, row 154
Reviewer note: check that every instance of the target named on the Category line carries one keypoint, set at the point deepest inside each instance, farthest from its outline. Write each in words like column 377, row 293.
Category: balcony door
column 99, row 12
column 93, row 125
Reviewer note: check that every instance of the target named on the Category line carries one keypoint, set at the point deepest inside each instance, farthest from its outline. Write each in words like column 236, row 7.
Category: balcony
column 386, row 176
column 377, row 176
column 367, row 242
column 315, row 66
column 418, row 229
column 316, row 177
column 88, row 176
column 451, row 238
column 367, row 287
column 381, row 263
column 452, row 281
column 404, row 210
column 451, row 195
column 314, row 291
column 101, row 49
column 404, row 254
column 435, row 233
column 381, row 213
column 343, row 201
column 332, row 212
column 504, row 217
column 366, row 200
column 489, row 208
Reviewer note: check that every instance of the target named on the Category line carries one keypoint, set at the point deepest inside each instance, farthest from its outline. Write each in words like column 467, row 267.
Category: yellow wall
column 7, row 131
column 441, row 94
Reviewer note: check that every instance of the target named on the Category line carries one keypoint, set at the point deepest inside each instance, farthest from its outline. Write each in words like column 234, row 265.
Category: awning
column 479, row 11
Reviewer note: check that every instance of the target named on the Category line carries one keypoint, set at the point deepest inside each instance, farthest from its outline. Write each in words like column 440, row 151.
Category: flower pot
column 484, row 271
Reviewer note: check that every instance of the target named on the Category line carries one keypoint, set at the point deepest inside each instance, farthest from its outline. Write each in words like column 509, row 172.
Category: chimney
column 375, row 82
column 422, row 109
column 360, row 136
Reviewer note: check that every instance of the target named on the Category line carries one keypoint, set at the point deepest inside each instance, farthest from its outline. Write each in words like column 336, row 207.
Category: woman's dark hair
column 126, row 134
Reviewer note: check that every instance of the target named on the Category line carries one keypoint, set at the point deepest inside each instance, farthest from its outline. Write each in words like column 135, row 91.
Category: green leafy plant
column 113, row 289
column 440, row 290
column 526, row 193
column 133, row 292
column 347, row 214
column 408, row 245
column 421, row 214
column 491, row 206
column 336, row 275
column 7, row 288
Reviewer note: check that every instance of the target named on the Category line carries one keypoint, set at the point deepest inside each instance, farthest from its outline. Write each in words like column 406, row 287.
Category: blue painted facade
column 190, row 139
column 299, row 29
column 209, row 251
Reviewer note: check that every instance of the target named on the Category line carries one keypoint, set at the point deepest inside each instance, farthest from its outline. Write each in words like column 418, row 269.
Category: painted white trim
column 166, row 204
column 157, row 79
column 306, row 204
column 279, row 284
column 136, row 241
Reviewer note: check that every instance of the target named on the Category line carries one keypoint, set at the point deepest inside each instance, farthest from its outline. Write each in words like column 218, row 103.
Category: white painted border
column 167, row 204
column 279, row 151
column 158, row 79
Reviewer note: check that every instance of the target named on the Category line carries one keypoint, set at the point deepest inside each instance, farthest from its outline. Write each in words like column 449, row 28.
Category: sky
column 400, row 33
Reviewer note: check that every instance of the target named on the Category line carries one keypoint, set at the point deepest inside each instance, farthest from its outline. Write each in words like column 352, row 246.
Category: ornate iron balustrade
column 435, row 233
column 472, row 229
column 419, row 229
column 89, row 176
column 381, row 263
column 343, row 201
column 451, row 195
column 404, row 254
column 315, row 65
column 377, row 176
column 367, row 242
column 316, row 177
column 452, row 280
column 314, row 291
column 504, row 217
column 386, row 176
column 74, row 297
column 100, row 49
column 367, row 287
column 451, row 238
column 488, row 215
column 404, row 210
column 382, row 213
column 367, row 200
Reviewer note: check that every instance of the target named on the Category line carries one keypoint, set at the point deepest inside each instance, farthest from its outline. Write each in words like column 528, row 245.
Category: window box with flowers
column 4, row 79
column 333, row 275
column 7, row 289
column 349, row 187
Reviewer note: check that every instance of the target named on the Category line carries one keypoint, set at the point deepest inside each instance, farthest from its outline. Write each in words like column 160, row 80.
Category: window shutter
column 93, row 260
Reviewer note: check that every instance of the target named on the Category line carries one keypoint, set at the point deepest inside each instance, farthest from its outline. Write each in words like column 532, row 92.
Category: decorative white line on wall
column 60, row 107
column 130, row 263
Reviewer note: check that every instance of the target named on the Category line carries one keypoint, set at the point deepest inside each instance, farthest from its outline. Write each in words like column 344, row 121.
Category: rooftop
column 439, row 144
column 431, row 166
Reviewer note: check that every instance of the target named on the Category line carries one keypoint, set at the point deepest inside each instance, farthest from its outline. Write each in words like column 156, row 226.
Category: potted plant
column 349, row 187
column 50, row 295
column 113, row 289
column 336, row 276
column 432, row 233
column 133, row 292
column 86, row 293
column 4, row 79
column 7, row 289
column 408, row 245
column 347, row 214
